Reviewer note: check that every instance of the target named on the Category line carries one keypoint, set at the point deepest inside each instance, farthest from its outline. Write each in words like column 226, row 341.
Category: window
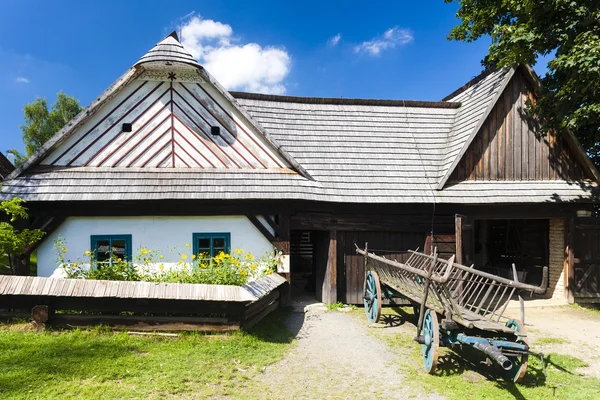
column 211, row 243
column 107, row 248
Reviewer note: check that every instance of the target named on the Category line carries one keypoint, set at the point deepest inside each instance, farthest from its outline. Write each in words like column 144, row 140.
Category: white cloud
column 21, row 79
column 393, row 37
column 236, row 66
column 334, row 40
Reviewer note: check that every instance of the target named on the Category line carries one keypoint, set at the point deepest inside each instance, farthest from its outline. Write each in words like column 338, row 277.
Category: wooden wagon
column 456, row 305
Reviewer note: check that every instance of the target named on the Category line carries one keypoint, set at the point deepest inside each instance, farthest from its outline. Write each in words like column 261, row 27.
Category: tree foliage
column 13, row 241
column 42, row 123
column 523, row 30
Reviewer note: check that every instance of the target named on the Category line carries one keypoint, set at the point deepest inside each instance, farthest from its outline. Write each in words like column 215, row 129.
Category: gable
column 508, row 147
column 171, row 113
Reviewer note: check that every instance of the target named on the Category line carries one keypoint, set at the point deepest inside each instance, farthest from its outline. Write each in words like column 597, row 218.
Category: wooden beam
column 256, row 222
column 272, row 224
column 330, row 281
column 570, row 287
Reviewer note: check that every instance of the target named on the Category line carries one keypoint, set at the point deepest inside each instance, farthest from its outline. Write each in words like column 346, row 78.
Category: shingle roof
column 346, row 150
column 169, row 50
column 93, row 183
column 477, row 101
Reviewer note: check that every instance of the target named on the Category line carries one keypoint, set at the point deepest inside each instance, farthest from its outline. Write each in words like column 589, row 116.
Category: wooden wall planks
column 508, row 147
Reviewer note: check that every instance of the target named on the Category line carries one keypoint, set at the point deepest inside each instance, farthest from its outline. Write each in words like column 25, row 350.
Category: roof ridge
column 484, row 74
column 344, row 101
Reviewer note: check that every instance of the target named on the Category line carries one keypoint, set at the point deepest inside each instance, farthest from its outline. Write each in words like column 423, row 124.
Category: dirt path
column 335, row 358
column 565, row 330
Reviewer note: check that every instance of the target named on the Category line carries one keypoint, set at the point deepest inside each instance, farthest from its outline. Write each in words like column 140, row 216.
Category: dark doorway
column 501, row 243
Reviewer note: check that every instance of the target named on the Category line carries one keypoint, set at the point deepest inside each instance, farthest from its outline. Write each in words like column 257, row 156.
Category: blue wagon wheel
column 372, row 297
column 431, row 335
column 519, row 369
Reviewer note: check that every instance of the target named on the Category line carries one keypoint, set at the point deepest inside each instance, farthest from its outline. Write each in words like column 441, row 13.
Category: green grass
column 593, row 309
column 338, row 305
column 461, row 376
column 550, row 340
column 99, row 363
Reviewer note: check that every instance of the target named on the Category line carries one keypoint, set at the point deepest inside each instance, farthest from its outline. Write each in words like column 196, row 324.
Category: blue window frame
column 211, row 243
column 107, row 248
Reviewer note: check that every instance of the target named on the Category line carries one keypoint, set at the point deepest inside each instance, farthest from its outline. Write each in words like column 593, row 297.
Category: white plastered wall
column 155, row 233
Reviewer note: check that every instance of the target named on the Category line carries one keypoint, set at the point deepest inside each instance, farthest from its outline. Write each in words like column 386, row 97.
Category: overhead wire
column 431, row 189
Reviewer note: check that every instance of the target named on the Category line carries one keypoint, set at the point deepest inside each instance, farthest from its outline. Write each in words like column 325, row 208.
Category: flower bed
column 237, row 268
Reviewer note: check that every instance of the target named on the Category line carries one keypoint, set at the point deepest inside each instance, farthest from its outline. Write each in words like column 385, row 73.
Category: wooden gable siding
column 171, row 127
column 508, row 148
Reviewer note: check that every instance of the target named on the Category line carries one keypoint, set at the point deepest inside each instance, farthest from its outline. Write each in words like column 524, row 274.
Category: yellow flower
column 187, row 246
column 75, row 264
column 147, row 260
column 185, row 266
column 183, row 256
column 161, row 257
column 162, row 266
column 63, row 249
column 180, row 262
column 87, row 253
column 237, row 251
column 243, row 271
column 144, row 250
column 193, row 256
column 118, row 260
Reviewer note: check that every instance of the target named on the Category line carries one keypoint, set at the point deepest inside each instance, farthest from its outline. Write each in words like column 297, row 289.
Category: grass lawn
column 461, row 376
column 104, row 364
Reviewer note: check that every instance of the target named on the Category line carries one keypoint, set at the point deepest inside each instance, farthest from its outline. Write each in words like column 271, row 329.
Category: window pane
column 204, row 243
column 102, row 250
column 219, row 243
column 118, row 249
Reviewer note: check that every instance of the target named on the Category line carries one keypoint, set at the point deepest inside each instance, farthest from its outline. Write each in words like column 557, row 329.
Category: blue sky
column 390, row 50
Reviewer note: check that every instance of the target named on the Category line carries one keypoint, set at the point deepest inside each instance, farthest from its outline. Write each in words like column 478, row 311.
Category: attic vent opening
column 215, row 130
column 126, row 127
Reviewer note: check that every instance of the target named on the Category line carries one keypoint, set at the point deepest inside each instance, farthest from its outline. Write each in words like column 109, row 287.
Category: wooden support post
column 570, row 287
column 282, row 244
column 330, row 281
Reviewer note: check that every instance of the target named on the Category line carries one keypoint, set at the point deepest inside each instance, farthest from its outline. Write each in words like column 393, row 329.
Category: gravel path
column 335, row 358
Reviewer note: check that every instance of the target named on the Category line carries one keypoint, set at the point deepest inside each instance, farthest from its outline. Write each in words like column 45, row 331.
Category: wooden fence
column 141, row 305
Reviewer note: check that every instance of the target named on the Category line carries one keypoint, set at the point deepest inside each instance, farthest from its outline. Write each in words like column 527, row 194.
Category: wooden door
column 351, row 271
column 465, row 239
column 584, row 258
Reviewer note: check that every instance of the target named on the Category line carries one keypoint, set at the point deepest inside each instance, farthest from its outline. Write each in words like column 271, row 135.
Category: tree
column 569, row 32
column 14, row 241
column 41, row 124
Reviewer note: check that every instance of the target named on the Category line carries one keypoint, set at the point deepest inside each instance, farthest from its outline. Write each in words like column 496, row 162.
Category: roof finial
column 174, row 35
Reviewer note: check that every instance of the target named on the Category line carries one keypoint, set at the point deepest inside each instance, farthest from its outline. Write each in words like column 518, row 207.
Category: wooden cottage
column 166, row 156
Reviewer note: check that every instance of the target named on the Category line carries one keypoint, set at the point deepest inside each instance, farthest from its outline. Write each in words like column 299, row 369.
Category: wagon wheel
column 431, row 334
column 519, row 369
column 372, row 297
